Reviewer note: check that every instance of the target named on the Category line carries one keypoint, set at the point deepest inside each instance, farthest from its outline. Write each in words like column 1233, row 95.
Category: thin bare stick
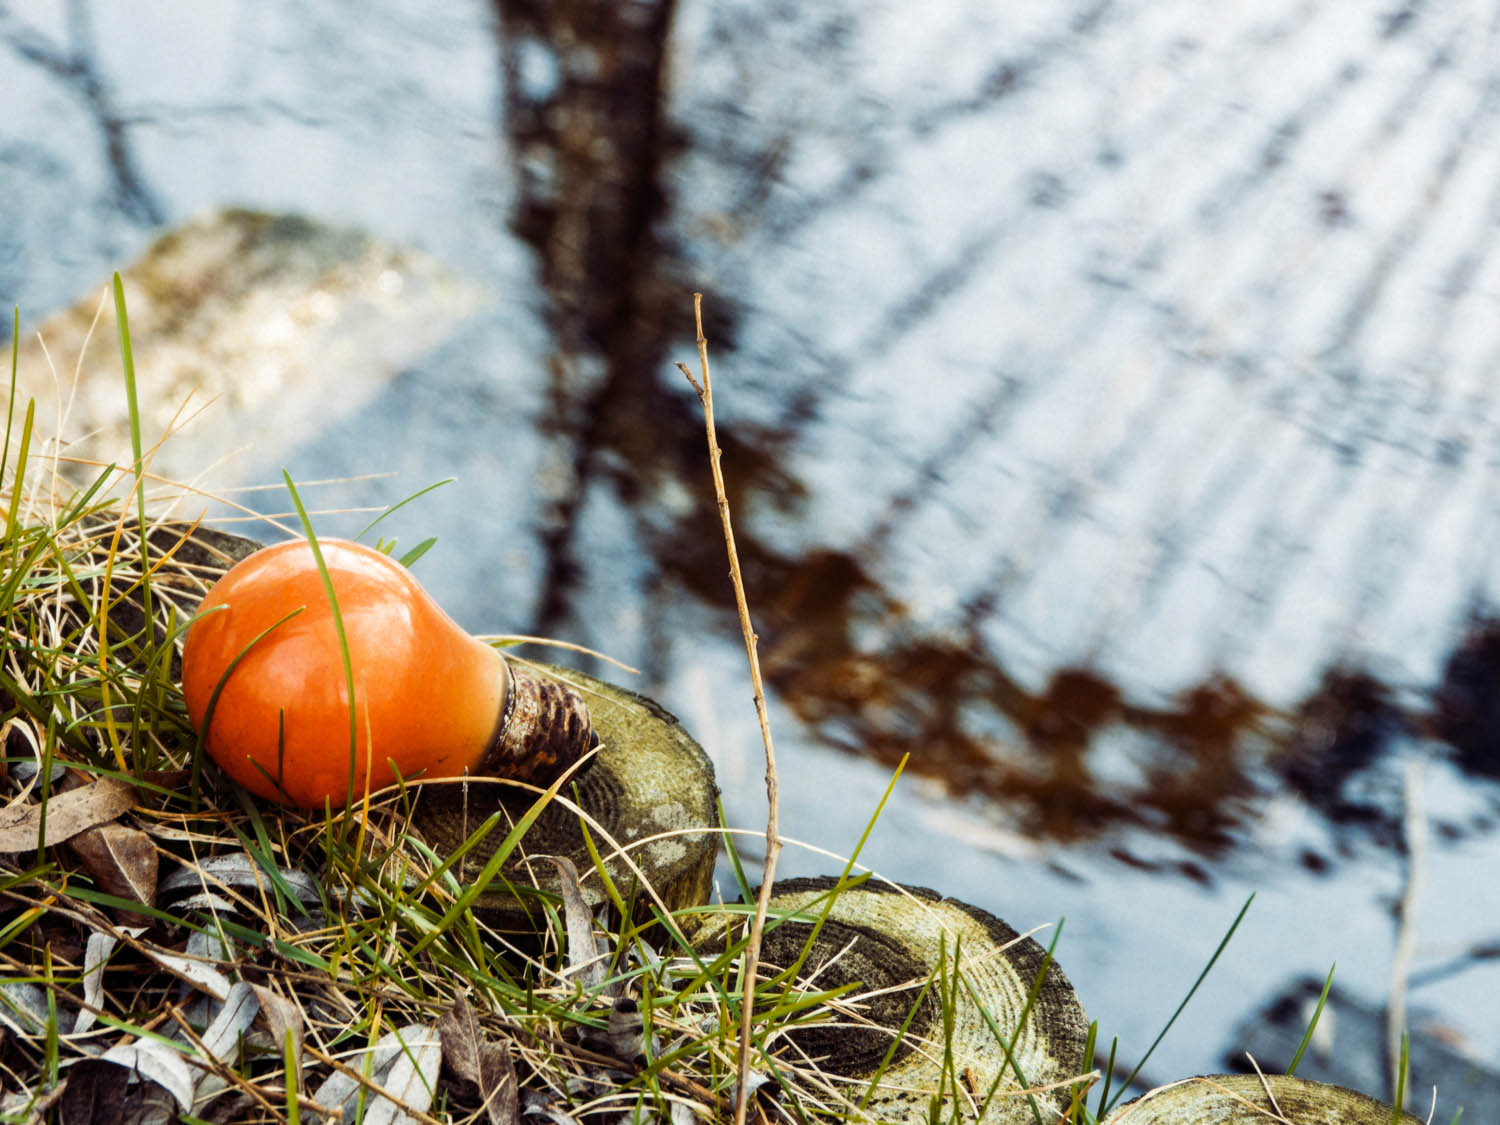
column 773, row 837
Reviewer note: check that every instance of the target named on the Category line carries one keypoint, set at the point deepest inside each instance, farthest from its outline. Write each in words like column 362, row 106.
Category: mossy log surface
column 892, row 941
column 1250, row 1099
column 649, row 790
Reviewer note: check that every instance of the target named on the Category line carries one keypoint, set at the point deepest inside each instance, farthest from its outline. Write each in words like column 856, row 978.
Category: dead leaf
column 340, row 1090
column 222, row 1039
column 543, row 1103
column 412, row 1079
column 463, row 1040
column 280, row 1016
column 214, row 904
column 237, row 871
column 121, row 859
column 159, row 1063
column 30, row 1105
column 26, row 770
column 624, row 1036
column 223, row 1036
column 94, row 1093
column 64, row 815
column 583, row 954
column 230, row 1109
column 176, row 780
column 755, row 1081
column 474, row 1060
column 96, row 954
column 197, row 972
column 23, row 1007
column 147, row 1103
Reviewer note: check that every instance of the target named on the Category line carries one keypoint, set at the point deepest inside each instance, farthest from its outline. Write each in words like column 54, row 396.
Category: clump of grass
column 276, row 965
column 265, row 965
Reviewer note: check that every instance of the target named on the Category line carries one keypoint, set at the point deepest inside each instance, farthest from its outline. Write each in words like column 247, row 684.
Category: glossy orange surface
column 427, row 696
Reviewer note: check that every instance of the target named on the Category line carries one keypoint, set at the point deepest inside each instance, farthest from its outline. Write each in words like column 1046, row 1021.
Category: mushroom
column 264, row 678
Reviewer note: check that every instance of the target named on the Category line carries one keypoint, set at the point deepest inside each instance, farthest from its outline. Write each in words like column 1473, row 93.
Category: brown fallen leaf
column 93, row 1094
column 584, row 956
column 624, row 1036
column 167, row 779
column 121, row 859
column 64, row 815
column 476, row 1061
column 280, row 1015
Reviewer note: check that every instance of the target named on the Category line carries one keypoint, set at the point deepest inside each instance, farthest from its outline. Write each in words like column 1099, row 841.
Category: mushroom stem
column 544, row 728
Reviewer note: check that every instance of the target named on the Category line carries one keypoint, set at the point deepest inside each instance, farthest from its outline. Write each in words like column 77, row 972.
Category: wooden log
column 1252, row 1099
column 891, row 941
column 650, row 790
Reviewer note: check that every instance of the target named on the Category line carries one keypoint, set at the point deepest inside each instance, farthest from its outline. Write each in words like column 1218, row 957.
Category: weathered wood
column 892, row 941
column 1348, row 1048
column 1250, row 1099
column 650, row 790
column 287, row 322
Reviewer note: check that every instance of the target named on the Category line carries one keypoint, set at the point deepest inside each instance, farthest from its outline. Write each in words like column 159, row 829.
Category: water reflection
column 597, row 148
column 1468, row 702
column 593, row 150
column 1077, row 354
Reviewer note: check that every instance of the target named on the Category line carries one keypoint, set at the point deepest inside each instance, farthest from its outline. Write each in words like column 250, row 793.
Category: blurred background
column 1107, row 394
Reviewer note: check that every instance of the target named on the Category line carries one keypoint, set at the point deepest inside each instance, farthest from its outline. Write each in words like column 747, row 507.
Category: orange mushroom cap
column 428, row 697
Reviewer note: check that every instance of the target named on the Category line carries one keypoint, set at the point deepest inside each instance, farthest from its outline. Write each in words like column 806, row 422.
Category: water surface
column 1104, row 390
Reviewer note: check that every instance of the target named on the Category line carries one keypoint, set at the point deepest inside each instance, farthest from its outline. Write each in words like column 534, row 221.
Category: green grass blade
column 338, row 626
column 50, row 1051
column 402, row 503
column 730, row 850
column 11, row 529
column 132, row 402
column 492, row 866
column 896, row 1041
column 1402, row 1068
column 49, row 748
column 1080, row 1095
column 1240, row 917
column 418, row 551
column 613, row 892
column 263, row 852
column 1109, row 1077
column 10, row 410
column 1010, row 1062
column 213, row 699
column 289, row 1058
column 1312, row 1024
column 790, row 974
column 76, row 509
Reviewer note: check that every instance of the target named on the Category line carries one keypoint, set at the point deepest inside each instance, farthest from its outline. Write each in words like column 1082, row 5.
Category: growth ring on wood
column 1250, row 1099
column 892, row 940
column 649, row 782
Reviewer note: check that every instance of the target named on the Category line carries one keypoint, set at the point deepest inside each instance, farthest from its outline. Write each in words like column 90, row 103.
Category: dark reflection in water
column 1468, row 702
column 1246, row 243
column 585, row 108
column 593, row 148
column 1339, row 734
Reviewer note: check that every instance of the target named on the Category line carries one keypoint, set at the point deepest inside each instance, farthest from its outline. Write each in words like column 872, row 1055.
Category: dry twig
column 773, row 839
